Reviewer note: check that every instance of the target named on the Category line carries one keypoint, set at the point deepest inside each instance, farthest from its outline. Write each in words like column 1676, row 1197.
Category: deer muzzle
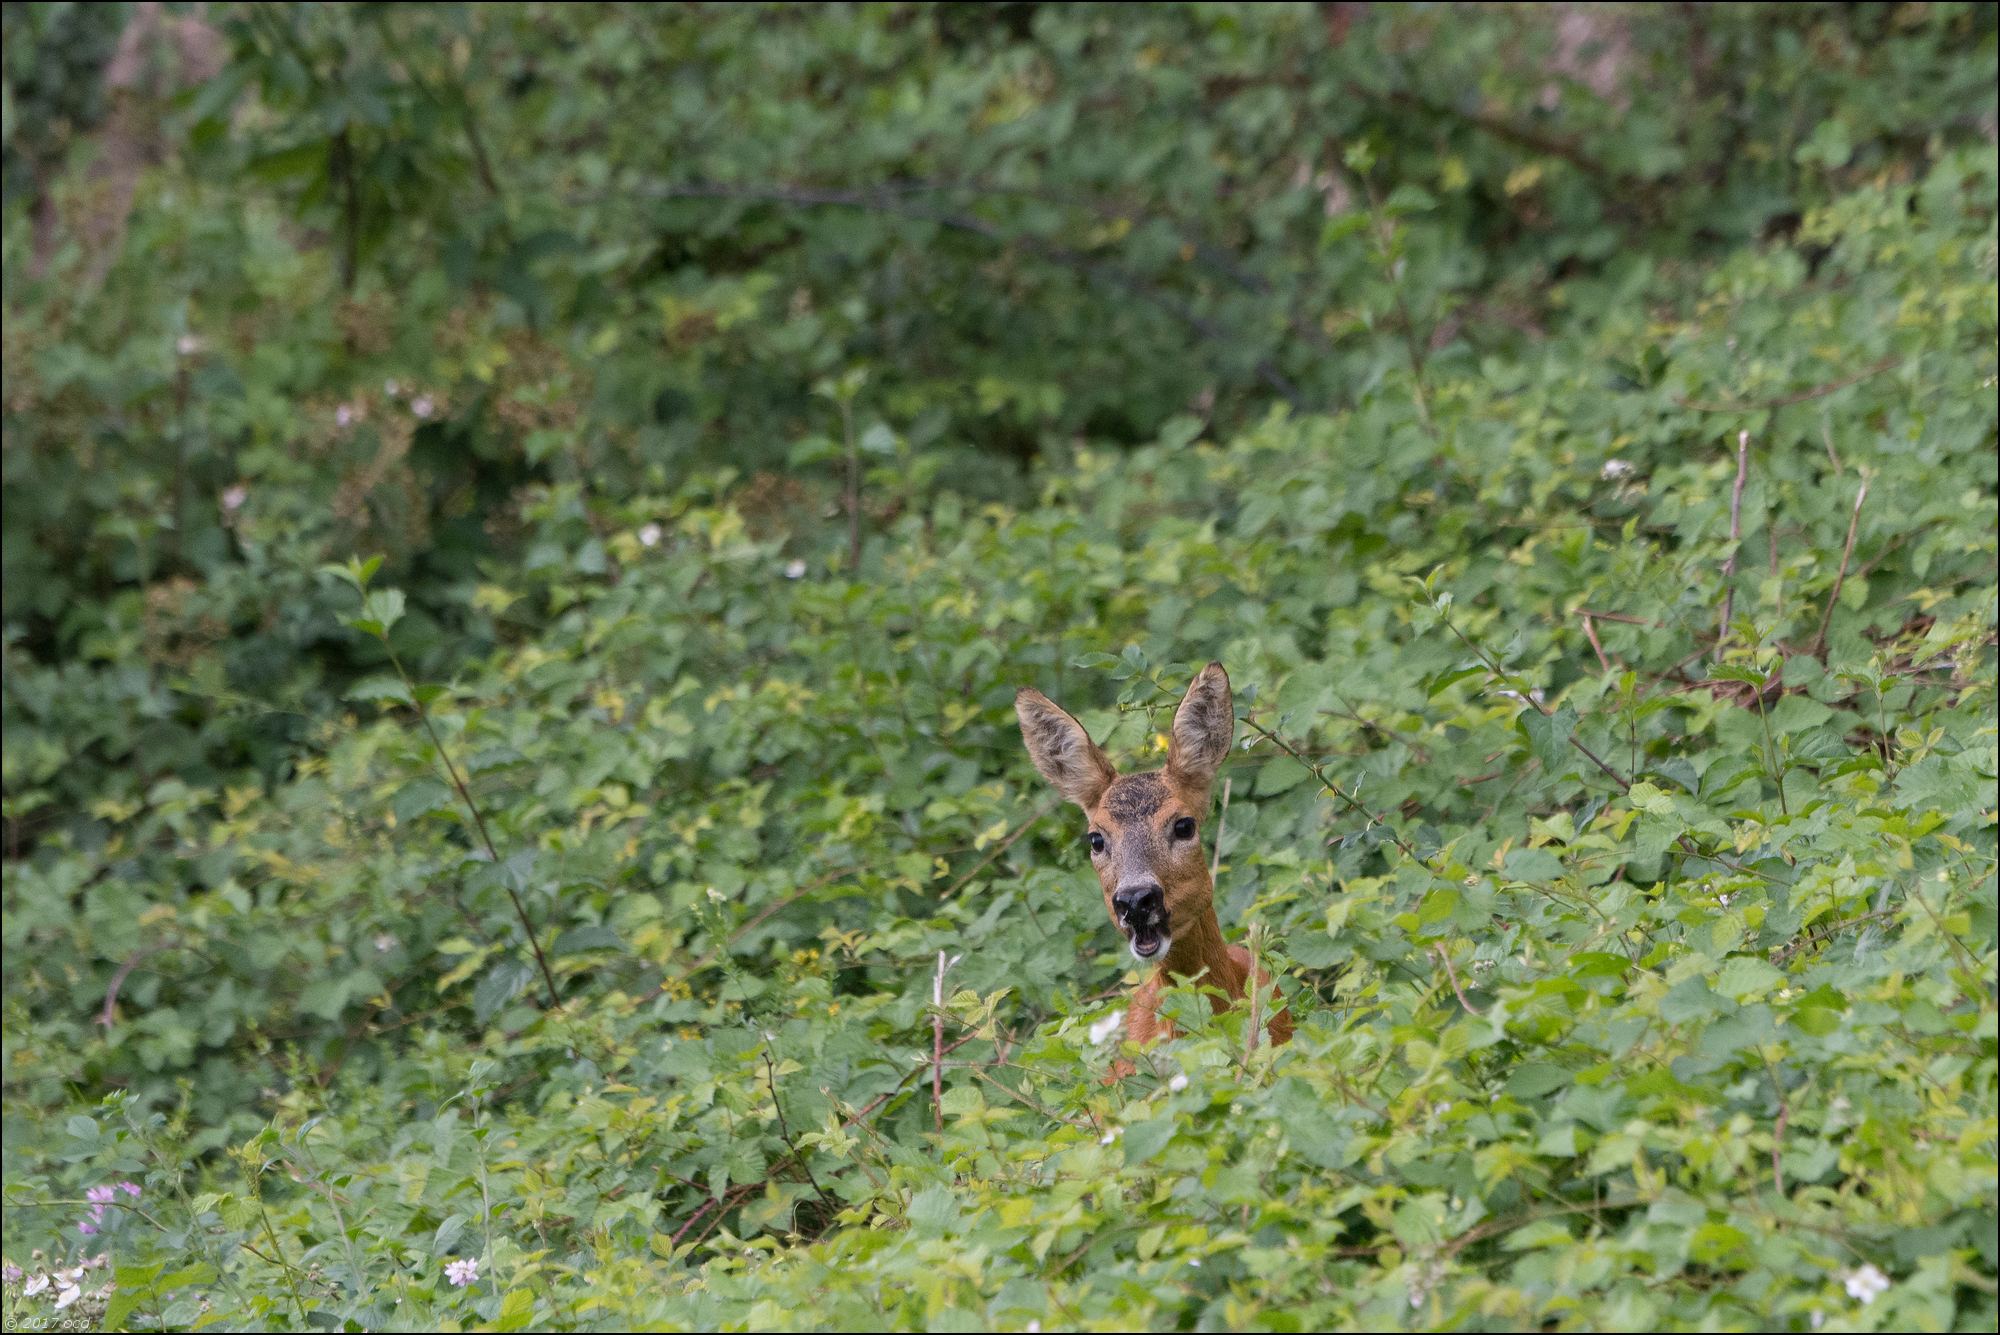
column 1142, row 914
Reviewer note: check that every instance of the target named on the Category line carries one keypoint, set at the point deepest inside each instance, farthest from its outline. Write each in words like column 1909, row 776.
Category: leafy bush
column 628, row 901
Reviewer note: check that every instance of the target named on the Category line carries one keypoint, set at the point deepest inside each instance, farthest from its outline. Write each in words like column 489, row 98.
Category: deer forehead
column 1135, row 801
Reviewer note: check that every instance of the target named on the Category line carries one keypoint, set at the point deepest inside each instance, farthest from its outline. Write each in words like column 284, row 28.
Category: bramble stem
column 478, row 819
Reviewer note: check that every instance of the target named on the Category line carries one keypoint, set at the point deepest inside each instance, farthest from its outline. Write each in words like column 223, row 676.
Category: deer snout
column 1139, row 903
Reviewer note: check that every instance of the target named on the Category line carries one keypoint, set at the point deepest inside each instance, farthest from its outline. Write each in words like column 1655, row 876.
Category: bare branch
column 1846, row 554
column 1735, row 537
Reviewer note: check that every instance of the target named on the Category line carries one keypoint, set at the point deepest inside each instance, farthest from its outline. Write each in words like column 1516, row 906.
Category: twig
column 1846, row 554
column 340, row 170
column 937, row 1038
column 801, row 892
column 1778, row 1131
column 478, row 819
column 1034, row 818
column 1221, row 824
column 1256, row 945
column 1803, row 396
column 868, row 1109
column 1624, row 784
column 1348, row 712
column 1519, row 135
column 1591, row 631
column 1452, row 974
column 705, row 1207
column 1686, row 844
column 1334, row 788
column 964, row 222
column 106, row 1016
column 1735, row 537
column 853, row 487
column 1411, row 344
column 785, row 1131
column 1596, row 615
column 1019, row 1097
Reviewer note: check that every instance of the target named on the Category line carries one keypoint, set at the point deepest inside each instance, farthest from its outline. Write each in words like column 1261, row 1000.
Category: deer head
column 1144, row 829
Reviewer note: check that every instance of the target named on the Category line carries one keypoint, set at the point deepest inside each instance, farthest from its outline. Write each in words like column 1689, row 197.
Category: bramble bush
column 625, row 901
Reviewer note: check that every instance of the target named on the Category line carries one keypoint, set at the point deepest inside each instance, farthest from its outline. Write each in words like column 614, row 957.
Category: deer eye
column 1184, row 828
column 1096, row 842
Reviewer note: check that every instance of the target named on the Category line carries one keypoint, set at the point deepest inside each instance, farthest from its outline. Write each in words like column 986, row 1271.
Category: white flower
column 343, row 416
column 68, row 1296
column 1615, row 470
column 1817, row 1317
column 35, row 1284
column 714, row 895
column 795, row 570
column 233, row 498
column 1110, row 1135
column 422, row 405
column 391, row 388
column 1106, row 1027
column 384, row 943
column 649, row 535
column 1866, row 1284
column 1195, row 1261
column 1032, row 1326
column 1178, row 1083
column 187, row 345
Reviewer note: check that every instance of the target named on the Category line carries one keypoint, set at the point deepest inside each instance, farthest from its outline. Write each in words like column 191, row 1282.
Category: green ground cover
column 523, row 527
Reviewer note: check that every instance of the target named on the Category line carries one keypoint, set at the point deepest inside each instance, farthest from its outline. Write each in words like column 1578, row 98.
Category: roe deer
column 1145, row 845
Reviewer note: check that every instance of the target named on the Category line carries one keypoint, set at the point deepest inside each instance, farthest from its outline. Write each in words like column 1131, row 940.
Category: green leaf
column 1143, row 1140
column 1549, row 737
column 517, row 1310
column 1281, row 776
column 447, row 1234
column 501, row 983
column 419, row 797
column 381, row 609
column 1743, row 976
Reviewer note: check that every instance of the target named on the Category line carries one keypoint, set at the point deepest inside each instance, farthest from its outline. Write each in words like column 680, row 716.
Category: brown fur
column 1136, row 814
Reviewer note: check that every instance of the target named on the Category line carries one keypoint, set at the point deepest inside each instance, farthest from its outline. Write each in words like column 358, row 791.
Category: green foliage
column 1591, row 492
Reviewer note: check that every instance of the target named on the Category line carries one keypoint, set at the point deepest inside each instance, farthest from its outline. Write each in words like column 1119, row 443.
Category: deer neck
column 1198, row 949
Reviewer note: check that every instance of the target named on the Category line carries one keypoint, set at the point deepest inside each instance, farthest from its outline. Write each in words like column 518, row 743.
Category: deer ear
column 1062, row 750
column 1203, row 727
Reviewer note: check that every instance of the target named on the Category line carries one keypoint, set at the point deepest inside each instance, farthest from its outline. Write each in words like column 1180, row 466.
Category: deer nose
column 1138, row 901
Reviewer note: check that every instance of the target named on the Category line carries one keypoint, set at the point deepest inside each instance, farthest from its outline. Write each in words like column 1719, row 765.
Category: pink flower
column 462, row 1273
column 10, row 1273
column 86, row 1228
column 130, row 1189
column 101, row 1195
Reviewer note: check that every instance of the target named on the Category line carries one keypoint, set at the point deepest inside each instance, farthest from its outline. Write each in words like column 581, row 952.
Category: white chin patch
column 1166, row 942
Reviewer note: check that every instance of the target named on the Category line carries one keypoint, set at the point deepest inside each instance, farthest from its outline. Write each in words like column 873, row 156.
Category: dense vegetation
column 523, row 526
